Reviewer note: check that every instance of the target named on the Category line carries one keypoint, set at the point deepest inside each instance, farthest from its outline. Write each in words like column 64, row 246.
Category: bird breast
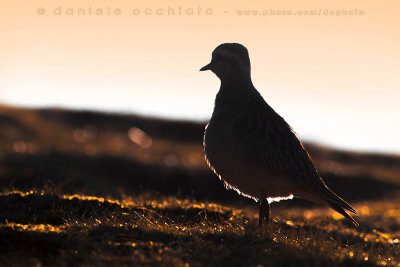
column 221, row 145
column 232, row 160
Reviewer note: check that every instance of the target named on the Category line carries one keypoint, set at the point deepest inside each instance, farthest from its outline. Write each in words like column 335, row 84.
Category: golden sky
column 333, row 75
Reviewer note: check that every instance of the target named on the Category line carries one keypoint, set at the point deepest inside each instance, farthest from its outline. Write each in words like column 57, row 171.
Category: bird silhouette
column 251, row 147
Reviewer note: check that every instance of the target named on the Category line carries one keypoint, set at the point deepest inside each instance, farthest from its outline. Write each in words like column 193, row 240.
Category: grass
column 55, row 229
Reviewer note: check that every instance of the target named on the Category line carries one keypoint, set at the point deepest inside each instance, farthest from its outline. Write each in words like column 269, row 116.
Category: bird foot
column 263, row 214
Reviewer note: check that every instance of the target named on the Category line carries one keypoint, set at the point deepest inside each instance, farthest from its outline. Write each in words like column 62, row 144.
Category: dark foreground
column 84, row 188
column 50, row 229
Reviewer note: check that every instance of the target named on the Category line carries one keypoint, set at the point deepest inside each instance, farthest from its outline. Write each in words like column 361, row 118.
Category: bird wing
column 276, row 147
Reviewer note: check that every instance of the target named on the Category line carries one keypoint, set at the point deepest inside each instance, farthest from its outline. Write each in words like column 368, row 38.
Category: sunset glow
column 329, row 68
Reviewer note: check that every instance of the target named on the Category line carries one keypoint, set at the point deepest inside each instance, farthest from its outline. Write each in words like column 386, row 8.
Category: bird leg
column 263, row 212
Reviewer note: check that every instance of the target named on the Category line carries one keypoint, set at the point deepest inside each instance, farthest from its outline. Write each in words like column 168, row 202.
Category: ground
column 84, row 188
column 53, row 229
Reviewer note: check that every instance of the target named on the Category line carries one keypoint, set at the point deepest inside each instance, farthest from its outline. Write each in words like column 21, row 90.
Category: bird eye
column 218, row 57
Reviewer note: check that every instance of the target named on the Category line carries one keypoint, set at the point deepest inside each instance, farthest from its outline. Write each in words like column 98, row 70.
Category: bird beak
column 206, row 67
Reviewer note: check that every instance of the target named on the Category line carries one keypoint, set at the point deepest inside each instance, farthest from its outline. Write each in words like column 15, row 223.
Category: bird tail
column 333, row 200
column 339, row 205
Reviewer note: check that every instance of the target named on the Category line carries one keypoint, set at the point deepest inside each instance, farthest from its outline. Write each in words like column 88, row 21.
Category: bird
column 251, row 148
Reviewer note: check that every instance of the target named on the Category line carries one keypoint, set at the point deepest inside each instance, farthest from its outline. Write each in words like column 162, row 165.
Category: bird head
column 229, row 61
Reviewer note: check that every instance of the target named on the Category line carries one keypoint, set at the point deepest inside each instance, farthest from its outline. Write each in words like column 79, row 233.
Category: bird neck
column 238, row 82
column 234, row 92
